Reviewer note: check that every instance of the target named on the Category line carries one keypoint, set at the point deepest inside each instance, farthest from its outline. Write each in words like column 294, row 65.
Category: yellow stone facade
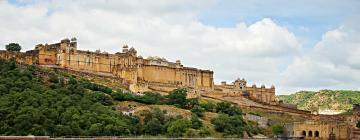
column 151, row 74
column 239, row 88
column 319, row 130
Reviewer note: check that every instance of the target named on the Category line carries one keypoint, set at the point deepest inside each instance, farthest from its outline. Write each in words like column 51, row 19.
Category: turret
column 125, row 48
column 132, row 51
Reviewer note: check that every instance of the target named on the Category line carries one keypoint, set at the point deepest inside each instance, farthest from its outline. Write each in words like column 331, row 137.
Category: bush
column 178, row 127
column 227, row 108
column 95, row 87
column 229, row 125
column 151, row 98
column 153, row 127
column 177, row 97
column 191, row 103
column 192, row 133
column 204, row 132
column 208, row 106
column 197, row 110
column 195, row 122
column 277, row 129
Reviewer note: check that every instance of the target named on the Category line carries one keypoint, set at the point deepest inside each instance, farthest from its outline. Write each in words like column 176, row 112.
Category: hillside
column 44, row 101
column 323, row 99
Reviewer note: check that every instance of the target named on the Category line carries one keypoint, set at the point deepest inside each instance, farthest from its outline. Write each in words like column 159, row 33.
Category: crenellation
column 239, row 88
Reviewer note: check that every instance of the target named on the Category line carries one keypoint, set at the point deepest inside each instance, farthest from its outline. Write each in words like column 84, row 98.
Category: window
column 317, row 134
column 310, row 134
column 303, row 133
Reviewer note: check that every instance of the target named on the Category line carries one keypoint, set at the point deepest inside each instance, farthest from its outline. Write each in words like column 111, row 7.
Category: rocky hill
column 323, row 99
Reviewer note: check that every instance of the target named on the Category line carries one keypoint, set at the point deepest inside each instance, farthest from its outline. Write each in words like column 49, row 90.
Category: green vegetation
column 324, row 99
column 63, row 107
column 277, row 129
column 227, row 108
column 15, row 47
column 36, row 101
column 232, row 126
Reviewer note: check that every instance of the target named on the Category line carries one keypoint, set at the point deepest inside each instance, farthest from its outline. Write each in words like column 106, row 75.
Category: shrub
column 151, row 98
column 178, row 127
column 177, row 97
column 227, row 108
column 208, row 106
column 195, row 122
column 277, row 129
column 197, row 110
column 229, row 125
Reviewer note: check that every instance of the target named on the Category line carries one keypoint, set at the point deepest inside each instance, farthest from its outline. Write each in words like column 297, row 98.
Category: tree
column 153, row 127
column 208, row 106
column 227, row 108
column 197, row 110
column 14, row 47
column 178, row 97
column 230, row 125
column 204, row 131
column 151, row 98
column 95, row 129
column 192, row 102
column 221, row 122
column 178, row 127
column 195, row 122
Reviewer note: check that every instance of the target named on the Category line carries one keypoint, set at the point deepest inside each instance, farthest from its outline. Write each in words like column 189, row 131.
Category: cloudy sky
column 294, row 45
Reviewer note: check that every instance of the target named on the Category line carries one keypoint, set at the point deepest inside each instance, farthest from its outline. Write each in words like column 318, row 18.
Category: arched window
column 304, row 133
column 317, row 134
column 310, row 134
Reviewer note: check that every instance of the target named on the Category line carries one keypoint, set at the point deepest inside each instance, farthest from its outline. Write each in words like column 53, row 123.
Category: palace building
column 142, row 74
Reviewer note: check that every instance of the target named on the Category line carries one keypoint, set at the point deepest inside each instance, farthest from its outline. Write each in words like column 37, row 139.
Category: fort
column 140, row 74
column 156, row 74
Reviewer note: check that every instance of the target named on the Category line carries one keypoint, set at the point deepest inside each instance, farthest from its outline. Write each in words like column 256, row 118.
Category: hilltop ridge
column 341, row 100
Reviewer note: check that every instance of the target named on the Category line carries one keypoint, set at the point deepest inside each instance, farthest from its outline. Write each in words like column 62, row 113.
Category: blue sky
column 294, row 45
column 308, row 19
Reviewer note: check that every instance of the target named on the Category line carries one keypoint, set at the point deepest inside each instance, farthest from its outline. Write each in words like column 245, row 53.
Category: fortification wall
column 126, row 65
column 239, row 88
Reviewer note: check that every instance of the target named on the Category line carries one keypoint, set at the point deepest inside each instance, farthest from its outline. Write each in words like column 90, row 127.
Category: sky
column 294, row 45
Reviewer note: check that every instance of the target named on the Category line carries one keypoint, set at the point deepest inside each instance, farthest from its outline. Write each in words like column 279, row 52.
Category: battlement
column 239, row 88
column 142, row 74
column 125, row 64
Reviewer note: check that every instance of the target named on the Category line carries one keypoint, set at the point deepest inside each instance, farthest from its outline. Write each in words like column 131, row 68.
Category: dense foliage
column 157, row 122
column 230, row 125
column 324, row 99
column 230, row 120
column 35, row 101
column 15, row 47
column 32, row 105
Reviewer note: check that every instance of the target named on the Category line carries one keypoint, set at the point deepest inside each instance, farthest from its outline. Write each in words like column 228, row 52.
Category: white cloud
column 334, row 62
column 169, row 29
